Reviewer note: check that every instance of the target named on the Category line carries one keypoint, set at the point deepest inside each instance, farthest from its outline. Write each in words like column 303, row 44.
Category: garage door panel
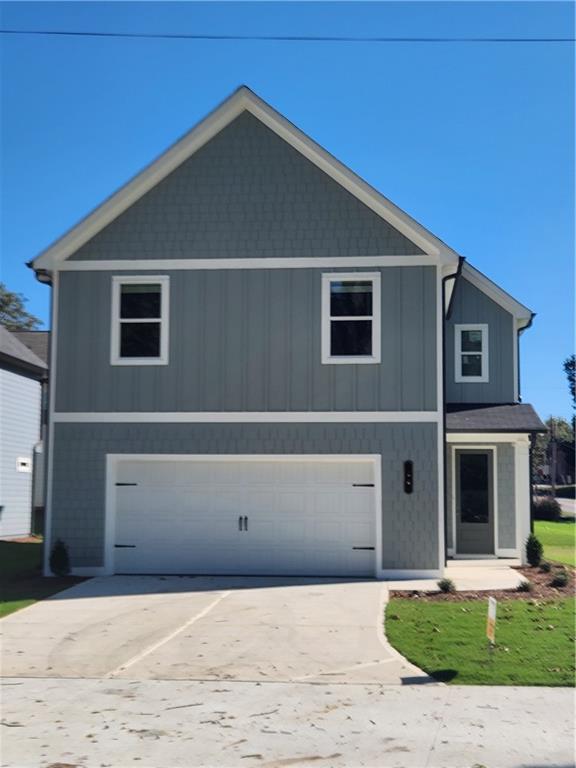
column 304, row 517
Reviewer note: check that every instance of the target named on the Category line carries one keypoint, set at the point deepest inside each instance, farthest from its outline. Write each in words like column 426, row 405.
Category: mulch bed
column 541, row 589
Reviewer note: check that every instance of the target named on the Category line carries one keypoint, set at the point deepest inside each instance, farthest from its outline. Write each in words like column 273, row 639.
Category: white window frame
column 375, row 317
column 117, row 282
column 459, row 352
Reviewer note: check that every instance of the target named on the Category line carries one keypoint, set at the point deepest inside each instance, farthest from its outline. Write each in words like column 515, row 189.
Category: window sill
column 471, row 380
column 351, row 361
column 133, row 361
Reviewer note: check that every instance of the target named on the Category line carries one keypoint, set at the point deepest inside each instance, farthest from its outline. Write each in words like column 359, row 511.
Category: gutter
column 445, row 316
column 42, row 275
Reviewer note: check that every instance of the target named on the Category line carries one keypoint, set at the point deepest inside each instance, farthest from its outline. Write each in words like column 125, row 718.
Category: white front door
column 237, row 516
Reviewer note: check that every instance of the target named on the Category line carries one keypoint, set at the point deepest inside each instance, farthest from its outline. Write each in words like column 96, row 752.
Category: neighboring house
column 39, row 343
column 259, row 363
column 22, row 379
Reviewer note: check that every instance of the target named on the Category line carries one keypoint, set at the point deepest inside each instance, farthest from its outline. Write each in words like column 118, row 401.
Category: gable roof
column 522, row 315
column 241, row 100
column 36, row 341
column 16, row 355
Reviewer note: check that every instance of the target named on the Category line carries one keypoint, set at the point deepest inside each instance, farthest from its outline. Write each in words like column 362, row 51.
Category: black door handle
column 240, row 523
column 245, row 522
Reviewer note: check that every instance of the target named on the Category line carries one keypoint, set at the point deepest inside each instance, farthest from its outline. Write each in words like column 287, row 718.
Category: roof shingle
column 515, row 417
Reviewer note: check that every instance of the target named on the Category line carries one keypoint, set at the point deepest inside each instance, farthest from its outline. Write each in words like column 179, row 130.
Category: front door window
column 474, row 503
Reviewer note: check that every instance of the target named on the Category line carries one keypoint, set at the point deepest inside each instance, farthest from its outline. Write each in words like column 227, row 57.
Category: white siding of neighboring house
column 19, row 432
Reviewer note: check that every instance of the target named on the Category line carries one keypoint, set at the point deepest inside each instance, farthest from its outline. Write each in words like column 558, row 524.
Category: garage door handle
column 245, row 522
column 125, row 546
column 240, row 522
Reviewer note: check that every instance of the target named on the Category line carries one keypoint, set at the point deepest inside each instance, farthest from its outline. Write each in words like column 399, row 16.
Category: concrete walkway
column 208, row 628
column 475, row 575
column 170, row 724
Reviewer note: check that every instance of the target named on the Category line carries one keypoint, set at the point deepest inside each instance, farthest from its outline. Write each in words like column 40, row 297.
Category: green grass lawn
column 21, row 582
column 534, row 640
column 558, row 539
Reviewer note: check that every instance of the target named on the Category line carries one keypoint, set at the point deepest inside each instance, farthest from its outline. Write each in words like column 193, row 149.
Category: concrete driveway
column 208, row 628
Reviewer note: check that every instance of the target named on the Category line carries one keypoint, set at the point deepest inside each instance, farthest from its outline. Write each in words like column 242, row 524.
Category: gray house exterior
column 260, row 365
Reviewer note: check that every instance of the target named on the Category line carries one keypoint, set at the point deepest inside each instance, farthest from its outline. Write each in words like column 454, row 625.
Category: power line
column 288, row 38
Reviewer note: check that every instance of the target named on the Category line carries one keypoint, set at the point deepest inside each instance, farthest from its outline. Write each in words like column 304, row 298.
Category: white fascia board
column 241, row 100
column 246, row 417
column 521, row 313
column 488, row 438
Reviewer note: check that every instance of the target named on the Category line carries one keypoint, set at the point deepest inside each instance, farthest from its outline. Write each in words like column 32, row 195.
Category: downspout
column 518, row 332
column 446, row 313
column 45, row 277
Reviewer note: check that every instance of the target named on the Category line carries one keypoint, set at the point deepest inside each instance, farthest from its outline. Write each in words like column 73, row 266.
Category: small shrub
column 446, row 585
column 534, row 550
column 59, row 559
column 524, row 586
column 560, row 580
column 547, row 509
column 545, row 567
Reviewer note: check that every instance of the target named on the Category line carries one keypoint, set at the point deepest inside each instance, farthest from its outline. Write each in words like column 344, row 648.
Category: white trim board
column 245, row 417
column 441, row 408
column 241, row 100
column 49, row 450
column 487, row 437
column 113, row 459
column 305, row 262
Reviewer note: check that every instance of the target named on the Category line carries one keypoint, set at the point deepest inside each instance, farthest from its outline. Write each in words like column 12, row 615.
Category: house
column 39, row 343
column 263, row 366
column 23, row 377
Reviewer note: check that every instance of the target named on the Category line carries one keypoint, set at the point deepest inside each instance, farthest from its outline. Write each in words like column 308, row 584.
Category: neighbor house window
column 471, row 358
column 351, row 318
column 139, row 320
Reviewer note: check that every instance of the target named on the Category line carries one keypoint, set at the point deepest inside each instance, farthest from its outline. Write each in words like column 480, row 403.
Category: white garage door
column 284, row 517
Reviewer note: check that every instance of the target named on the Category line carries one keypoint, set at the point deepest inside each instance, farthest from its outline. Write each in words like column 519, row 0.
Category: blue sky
column 473, row 140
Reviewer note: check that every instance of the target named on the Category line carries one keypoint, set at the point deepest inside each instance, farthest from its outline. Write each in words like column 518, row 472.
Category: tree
column 13, row 314
column 559, row 430
column 570, row 371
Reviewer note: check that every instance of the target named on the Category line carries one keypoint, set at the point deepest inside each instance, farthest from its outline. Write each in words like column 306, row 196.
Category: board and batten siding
column 410, row 532
column 246, row 193
column 19, row 432
column 248, row 340
column 471, row 305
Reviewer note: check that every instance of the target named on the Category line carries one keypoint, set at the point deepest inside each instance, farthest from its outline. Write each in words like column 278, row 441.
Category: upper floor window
column 140, row 320
column 471, row 358
column 351, row 318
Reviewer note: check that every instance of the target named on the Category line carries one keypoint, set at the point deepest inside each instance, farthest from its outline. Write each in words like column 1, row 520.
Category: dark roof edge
column 23, row 368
